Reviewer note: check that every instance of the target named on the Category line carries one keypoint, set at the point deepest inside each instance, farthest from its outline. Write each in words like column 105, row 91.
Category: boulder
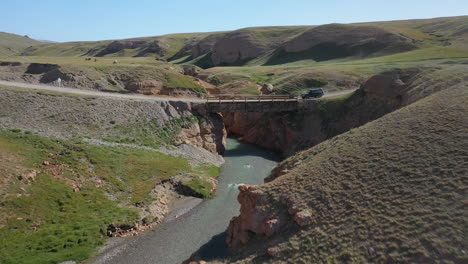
column 303, row 218
column 191, row 70
column 29, row 177
column 274, row 251
column 267, row 88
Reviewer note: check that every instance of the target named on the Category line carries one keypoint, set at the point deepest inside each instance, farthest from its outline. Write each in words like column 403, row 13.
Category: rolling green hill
column 11, row 44
column 272, row 45
column 166, row 47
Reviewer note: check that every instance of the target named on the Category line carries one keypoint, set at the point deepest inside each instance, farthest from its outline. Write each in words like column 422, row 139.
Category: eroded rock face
column 157, row 47
column 119, row 45
column 269, row 130
column 391, row 87
column 260, row 215
column 191, row 70
column 205, row 45
column 38, row 68
column 148, row 87
column 201, row 48
column 236, row 47
column 209, row 133
column 255, row 217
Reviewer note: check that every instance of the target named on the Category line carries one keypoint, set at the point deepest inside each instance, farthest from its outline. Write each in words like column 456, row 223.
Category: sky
column 71, row 20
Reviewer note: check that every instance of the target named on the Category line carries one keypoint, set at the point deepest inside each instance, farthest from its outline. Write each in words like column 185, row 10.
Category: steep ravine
column 291, row 132
column 267, row 216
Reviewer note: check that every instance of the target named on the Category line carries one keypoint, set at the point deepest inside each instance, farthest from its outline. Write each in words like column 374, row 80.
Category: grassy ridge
column 46, row 221
column 11, row 44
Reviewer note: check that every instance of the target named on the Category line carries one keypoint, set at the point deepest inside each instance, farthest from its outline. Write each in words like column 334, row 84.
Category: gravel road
column 130, row 96
column 96, row 93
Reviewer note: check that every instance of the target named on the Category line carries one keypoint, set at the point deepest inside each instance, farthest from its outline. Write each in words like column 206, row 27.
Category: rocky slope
column 159, row 79
column 390, row 191
column 114, row 120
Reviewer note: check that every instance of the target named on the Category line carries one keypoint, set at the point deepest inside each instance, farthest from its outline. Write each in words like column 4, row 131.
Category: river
column 203, row 228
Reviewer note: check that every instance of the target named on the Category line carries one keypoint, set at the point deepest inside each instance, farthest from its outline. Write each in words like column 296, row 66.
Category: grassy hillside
column 172, row 45
column 390, row 191
column 76, row 192
column 451, row 31
column 11, row 44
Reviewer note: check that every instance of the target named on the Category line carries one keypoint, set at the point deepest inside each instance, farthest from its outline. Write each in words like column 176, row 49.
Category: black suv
column 313, row 93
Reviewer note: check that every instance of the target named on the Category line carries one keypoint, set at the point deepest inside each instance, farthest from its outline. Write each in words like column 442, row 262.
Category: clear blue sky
column 68, row 20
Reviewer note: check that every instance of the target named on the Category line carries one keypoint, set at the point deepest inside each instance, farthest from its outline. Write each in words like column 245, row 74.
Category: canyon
column 128, row 142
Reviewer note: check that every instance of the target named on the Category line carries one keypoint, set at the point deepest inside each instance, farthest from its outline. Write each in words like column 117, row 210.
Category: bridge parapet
column 262, row 104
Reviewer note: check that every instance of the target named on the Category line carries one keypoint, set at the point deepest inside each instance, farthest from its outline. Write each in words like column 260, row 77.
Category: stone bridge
column 261, row 103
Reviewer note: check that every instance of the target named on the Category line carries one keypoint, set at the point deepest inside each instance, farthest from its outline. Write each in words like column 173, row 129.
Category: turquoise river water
column 203, row 228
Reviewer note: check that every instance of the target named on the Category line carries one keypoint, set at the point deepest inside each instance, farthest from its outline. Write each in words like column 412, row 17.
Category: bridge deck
column 261, row 103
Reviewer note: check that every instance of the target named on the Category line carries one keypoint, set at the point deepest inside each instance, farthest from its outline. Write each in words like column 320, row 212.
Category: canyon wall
column 290, row 132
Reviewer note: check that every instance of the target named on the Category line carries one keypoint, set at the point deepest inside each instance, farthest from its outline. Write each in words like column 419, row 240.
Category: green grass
column 208, row 169
column 70, row 225
column 135, row 172
column 12, row 44
column 296, row 84
column 432, row 53
column 181, row 81
column 334, row 108
column 150, row 134
column 251, row 89
column 200, row 186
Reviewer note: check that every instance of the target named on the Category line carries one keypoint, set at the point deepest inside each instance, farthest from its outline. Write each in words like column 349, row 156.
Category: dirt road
column 127, row 96
column 95, row 93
